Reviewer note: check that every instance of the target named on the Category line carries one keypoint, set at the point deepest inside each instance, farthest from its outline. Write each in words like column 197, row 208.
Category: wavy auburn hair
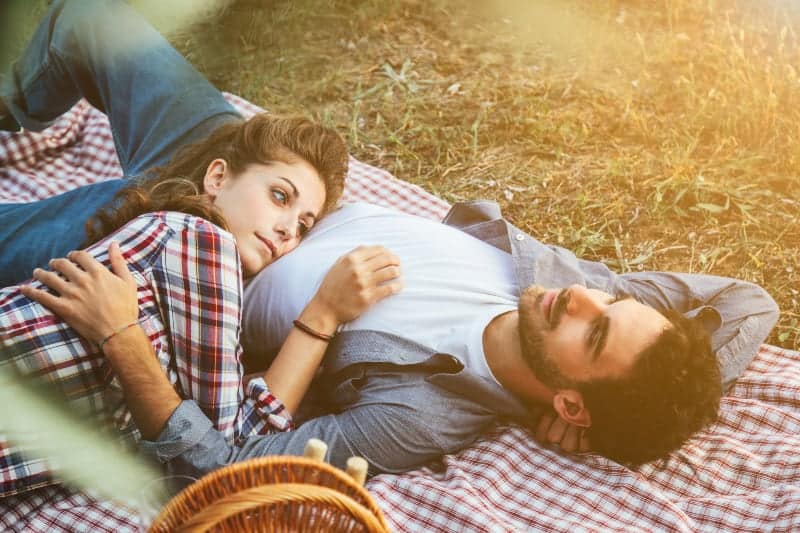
column 264, row 138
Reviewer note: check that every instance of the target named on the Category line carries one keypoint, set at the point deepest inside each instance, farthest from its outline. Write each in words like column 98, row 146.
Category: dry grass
column 649, row 137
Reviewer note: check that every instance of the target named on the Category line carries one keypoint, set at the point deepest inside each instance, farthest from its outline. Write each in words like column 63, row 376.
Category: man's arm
column 390, row 437
column 738, row 315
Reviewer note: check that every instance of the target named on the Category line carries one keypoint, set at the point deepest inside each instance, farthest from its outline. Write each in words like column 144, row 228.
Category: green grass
column 648, row 135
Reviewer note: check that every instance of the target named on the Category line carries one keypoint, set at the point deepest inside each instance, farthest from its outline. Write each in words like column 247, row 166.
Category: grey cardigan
column 399, row 404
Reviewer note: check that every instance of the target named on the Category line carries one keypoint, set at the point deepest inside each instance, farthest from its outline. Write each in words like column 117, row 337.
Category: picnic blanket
column 742, row 474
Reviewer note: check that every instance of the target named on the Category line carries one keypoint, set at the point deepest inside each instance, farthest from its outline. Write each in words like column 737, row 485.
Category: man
column 490, row 323
column 398, row 395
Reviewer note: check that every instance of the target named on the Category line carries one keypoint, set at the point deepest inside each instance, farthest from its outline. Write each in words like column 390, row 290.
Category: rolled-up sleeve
column 738, row 315
column 387, row 436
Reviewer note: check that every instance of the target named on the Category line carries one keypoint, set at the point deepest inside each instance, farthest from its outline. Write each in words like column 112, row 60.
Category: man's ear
column 215, row 177
column 569, row 405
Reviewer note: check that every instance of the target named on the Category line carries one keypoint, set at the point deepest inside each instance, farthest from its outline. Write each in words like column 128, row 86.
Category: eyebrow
column 296, row 195
column 604, row 326
column 295, row 192
column 601, row 342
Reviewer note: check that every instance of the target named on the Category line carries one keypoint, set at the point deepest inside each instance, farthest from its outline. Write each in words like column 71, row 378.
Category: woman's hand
column 355, row 282
column 92, row 300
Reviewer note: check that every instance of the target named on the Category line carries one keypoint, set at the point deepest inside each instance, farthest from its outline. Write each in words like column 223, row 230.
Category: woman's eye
column 280, row 196
column 302, row 229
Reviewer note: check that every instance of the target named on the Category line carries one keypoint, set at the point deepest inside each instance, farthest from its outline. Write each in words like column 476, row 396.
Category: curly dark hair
column 672, row 391
column 264, row 138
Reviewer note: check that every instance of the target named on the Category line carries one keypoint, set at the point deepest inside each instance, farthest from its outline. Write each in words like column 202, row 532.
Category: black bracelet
column 314, row 333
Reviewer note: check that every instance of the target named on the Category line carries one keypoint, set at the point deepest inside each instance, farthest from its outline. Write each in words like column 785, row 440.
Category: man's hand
column 552, row 429
column 92, row 300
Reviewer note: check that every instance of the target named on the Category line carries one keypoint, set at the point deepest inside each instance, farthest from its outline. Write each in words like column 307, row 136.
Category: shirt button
column 519, row 236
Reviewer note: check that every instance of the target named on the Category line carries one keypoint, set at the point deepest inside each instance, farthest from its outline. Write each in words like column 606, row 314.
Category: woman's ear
column 569, row 405
column 215, row 177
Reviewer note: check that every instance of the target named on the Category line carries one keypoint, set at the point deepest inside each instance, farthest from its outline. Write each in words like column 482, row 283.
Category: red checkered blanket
column 742, row 474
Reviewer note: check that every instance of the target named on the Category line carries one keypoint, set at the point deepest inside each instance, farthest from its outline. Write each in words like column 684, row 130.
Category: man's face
column 576, row 335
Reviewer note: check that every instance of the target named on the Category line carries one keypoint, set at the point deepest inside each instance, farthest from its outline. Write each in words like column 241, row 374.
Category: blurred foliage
column 648, row 135
column 18, row 19
column 46, row 428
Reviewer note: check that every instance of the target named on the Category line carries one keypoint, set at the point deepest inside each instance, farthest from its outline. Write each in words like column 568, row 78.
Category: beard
column 532, row 328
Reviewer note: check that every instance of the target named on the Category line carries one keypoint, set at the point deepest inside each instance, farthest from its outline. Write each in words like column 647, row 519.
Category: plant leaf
column 42, row 427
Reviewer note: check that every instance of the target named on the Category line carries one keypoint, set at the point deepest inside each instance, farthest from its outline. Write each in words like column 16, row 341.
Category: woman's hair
column 264, row 138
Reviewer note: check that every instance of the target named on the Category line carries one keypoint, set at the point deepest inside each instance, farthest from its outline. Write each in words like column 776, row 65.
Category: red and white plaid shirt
column 189, row 288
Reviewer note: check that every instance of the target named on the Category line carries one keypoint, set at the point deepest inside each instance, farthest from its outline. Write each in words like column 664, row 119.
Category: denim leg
column 156, row 102
column 105, row 51
column 33, row 233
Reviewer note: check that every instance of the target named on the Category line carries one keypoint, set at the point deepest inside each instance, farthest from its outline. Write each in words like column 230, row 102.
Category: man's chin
column 532, row 332
column 530, row 297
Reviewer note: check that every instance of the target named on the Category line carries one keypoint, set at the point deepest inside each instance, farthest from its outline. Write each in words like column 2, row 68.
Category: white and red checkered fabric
column 743, row 474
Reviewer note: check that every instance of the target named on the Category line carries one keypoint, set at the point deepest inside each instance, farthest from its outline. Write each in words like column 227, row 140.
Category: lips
column 268, row 244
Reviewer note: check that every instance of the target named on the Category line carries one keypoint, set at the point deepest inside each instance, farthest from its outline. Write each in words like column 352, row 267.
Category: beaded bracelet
column 120, row 330
column 314, row 333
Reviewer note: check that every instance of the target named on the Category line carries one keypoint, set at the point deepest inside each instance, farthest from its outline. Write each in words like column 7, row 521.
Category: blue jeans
column 104, row 51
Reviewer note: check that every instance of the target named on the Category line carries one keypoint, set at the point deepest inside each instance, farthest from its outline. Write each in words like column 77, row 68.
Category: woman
column 102, row 50
column 222, row 209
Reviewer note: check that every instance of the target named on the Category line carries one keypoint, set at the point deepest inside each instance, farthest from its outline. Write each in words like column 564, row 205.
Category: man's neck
column 504, row 357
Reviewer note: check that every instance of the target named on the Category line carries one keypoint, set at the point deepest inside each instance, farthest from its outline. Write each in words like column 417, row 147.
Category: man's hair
column 264, row 138
column 672, row 391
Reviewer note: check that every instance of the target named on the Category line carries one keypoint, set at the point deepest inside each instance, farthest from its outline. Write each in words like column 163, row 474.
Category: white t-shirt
column 454, row 284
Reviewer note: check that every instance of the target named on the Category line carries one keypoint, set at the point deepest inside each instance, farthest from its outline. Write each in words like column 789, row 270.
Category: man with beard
column 492, row 324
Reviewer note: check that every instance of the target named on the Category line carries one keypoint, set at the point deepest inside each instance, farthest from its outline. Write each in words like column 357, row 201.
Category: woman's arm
column 354, row 283
column 99, row 305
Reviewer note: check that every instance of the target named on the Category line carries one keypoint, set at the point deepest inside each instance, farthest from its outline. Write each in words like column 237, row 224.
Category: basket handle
column 255, row 497
column 315, row 449
column 356, row 466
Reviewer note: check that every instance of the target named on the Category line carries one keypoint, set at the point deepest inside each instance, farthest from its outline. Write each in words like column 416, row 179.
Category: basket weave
column 280, row 493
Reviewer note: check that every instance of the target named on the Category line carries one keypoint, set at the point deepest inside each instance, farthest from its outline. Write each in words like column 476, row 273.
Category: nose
column 282, row 231
column 285, row 227
column 583, row 302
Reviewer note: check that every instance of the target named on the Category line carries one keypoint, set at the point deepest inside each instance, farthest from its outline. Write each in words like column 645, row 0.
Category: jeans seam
column 61, row 57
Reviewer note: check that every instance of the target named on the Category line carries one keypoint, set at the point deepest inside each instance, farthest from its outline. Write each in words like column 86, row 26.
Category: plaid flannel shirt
column 189, row 290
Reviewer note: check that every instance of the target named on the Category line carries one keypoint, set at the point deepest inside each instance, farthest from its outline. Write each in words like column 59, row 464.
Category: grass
column 647, row 135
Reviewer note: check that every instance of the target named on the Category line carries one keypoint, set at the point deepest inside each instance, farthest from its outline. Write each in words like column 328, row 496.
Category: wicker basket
column 278, row 493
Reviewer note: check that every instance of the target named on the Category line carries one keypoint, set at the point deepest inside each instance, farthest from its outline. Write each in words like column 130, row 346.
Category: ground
column 647, row 135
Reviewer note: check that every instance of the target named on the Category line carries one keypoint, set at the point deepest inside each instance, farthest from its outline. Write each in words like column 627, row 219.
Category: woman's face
column 268, row 207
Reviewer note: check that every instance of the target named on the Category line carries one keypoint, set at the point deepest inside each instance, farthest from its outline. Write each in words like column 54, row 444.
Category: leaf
column 43, row 427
